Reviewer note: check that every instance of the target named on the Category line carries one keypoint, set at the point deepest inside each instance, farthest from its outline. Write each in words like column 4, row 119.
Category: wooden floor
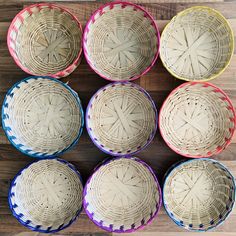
column 158, row 82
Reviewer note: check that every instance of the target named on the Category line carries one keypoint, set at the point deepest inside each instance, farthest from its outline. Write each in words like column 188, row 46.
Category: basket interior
column 46, row 41
column 197, row 120
column 122, row 42
column 43, row 116
column 122, row 118
column 48, row 193
column 122, row 194
column 199, row 194
column 197, row 44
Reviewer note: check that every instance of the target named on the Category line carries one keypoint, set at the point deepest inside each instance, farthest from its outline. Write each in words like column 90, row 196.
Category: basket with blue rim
column 199, row 194
column 46, row 196
column 42, row 117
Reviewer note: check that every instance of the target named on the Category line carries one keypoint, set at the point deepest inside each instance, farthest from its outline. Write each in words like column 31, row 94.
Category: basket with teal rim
column 199, row 194
column 42, row 117
column 197, row 44
column 46, row 196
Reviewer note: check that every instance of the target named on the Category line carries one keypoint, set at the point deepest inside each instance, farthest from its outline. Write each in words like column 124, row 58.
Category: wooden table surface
column 85, row 156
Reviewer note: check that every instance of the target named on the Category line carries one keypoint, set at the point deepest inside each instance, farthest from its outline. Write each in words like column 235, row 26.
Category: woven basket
column 46, row 196
column 121, row 41
column 42, row 117
column 197, row 44
column 197, row 120
column 199, row 194
column 121, row 118
column 45, row 39
column 122, row 195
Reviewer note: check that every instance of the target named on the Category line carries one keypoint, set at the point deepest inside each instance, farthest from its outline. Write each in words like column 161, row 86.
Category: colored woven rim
column 197, row 120
column 121, row 41
column 42, row 117
column 121, row 119
column 46, row 196
column 136, row 192
column 45, row 39
column 199, row 194
column 197, row 44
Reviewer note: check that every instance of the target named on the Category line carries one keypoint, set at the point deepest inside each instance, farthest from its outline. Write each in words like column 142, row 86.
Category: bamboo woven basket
column 121, row 41
column 46, row 196
column 121, row 118
column 45, row 39
column 122, row 195
column 199, row 194
column 197, row 44
column 42, row 117
column 197, row 120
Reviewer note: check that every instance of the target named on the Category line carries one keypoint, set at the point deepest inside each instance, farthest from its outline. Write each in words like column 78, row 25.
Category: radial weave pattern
column 45, row 40
column 122, row 195
column 121, row 41
column 42, row 116
column 197, row 44
column 199, row 194
column 121, row 118
column 197, row 120
column 46, row 195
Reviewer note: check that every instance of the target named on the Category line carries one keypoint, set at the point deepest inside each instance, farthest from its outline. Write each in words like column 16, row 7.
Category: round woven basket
column 46, row 196
column 122, row 195
column 121, row 41
column 199, row 194
column 121, row 118
column 197, row 120
column 45, row 39
column 42, row 117
column 197, row 44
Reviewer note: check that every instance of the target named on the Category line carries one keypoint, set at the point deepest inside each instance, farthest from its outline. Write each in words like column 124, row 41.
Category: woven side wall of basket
column 199, row 194
column 121, row 41
column 122, row 195
column 45, row 39
column 42, row 117
column 46, row 196
column 121, row 119
column 197, row 120
column 197, row 44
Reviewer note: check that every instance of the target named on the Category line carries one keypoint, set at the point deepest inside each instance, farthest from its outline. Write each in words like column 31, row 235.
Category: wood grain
column 85, row 156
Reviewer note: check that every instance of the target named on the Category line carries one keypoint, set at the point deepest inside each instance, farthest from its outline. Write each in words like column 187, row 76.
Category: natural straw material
column 199, row 194
column 122, row 195
column 121, row 41
column 121, row 118
column 46, row 196
column 197, row 120
column 197, row 44
column 45, row 39
column 42, row 117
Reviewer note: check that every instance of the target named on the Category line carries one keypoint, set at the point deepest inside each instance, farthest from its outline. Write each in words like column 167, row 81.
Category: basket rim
column 231, row 44
column 72, row 167
column 98, row 145
column 178, row 165
column 19, row 64
column 105, row 162
column 42, row 156
column 91, row 19
column 189, row 155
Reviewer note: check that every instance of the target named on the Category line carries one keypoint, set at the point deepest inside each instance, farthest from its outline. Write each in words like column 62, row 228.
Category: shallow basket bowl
column 122, row 195
column 42, row 117
column 46, row 196
column 121, row 41
column 197, row 120
column 197, row 44
column 199, row 194
column 121, row 118
column 45, row 39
